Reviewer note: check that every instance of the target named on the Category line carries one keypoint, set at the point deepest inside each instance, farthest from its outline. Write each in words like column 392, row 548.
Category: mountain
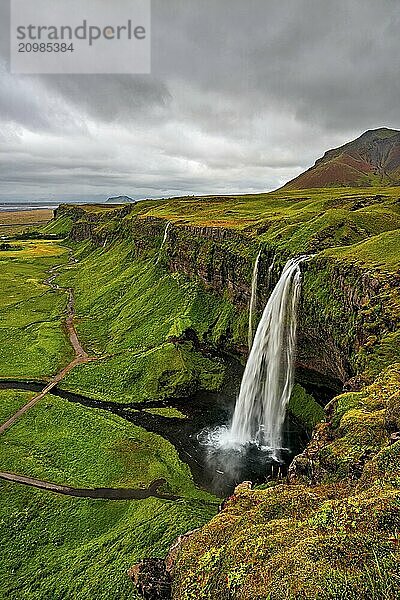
column 371, row 159
column 120, row 200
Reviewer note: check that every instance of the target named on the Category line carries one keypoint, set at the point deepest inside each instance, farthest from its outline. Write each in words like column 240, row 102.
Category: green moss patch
column 304, row 408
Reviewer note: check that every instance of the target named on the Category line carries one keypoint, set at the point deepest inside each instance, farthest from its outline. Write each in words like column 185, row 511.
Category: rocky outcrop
column 151, row 579
column 93, row 222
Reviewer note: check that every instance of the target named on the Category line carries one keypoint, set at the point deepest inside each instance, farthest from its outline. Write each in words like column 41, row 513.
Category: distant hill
column 120, row 200
column 371, row 159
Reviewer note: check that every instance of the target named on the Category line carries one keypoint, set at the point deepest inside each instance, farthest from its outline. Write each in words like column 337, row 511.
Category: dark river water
column 215, row 469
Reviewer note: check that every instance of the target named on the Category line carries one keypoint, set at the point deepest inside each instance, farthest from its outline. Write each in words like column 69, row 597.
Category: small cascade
column 269, row 375
column 168, row 225
column 253, row 301
column 271, row 267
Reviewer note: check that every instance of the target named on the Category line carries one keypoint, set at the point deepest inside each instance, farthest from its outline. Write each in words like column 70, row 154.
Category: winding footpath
column 97, row 493
column 80, row 355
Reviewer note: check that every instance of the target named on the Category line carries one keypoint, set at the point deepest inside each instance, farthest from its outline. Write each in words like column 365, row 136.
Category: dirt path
column 80, row 355
column 99, row 493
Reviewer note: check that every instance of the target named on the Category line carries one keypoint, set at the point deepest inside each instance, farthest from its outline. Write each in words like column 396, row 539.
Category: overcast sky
column 243, row 96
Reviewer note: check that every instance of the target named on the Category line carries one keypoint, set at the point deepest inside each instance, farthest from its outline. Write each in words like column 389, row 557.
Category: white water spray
column 253, row 301
column 268, row 378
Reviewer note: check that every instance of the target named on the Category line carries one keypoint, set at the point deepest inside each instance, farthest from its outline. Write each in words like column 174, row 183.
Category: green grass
column 70, row 444
column 32, row 341
column 52, row 546
column 61, row 226
column 129, row 317
column 11, row 401
column 381, row 252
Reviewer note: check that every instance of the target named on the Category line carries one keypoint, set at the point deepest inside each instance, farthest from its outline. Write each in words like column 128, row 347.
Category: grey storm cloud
column 243, row 95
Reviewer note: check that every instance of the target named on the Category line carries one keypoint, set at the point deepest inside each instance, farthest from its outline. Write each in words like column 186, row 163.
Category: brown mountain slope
column 371, row 159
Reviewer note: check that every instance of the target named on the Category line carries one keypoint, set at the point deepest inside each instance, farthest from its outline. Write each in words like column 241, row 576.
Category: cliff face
column 345, row 310
column 220, row 258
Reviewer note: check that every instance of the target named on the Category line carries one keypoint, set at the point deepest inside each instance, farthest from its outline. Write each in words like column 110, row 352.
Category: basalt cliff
column 349, row 315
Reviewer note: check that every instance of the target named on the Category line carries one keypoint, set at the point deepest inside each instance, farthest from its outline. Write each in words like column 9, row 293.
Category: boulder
column 151, row 579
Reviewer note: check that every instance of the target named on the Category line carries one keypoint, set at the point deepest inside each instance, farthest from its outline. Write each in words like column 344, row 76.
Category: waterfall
column 253, row 300
column 271, row 268
column 268, row 377
column 168, row 225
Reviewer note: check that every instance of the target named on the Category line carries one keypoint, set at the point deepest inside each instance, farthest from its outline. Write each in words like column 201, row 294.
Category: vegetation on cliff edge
column 331, row 533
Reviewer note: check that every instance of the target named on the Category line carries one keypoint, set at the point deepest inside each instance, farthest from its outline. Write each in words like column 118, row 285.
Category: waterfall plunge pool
column 213, row 468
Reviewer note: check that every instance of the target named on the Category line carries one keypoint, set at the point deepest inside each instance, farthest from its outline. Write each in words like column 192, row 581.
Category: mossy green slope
column 146, row 325
column 304, row 408
column 332, row 533
column 57, row 547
